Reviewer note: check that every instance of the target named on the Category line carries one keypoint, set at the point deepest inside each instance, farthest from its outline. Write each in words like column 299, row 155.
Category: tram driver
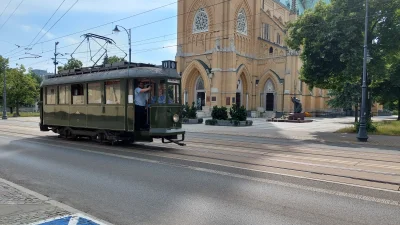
column 141, row 96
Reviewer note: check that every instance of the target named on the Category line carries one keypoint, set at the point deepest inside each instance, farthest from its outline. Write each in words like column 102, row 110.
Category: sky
column 153, row 23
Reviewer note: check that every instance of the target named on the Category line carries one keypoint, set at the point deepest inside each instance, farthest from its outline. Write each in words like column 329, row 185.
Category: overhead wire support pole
column 4, row 117
column 55, row 57
column 362, row 131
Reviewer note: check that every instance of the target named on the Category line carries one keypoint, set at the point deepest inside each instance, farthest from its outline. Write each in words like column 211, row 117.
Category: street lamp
column 362, row 131
column 4, row 117
column 129, row 37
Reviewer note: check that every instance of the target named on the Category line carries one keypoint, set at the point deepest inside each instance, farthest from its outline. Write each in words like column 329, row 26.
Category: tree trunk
column 356, row 114
column 17, row 110
column 398, row 109
column 11, row 110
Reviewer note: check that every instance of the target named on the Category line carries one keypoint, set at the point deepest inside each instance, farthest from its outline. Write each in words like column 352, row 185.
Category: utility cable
column 11, row 14
column 5, row 7
column 47, row 22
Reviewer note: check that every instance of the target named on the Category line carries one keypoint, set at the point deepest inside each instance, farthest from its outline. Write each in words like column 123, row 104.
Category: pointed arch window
column 242, row 22
column 200, row 84
column 200, row 23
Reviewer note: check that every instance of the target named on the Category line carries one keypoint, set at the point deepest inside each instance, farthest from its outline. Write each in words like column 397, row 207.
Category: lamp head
column 116, row 29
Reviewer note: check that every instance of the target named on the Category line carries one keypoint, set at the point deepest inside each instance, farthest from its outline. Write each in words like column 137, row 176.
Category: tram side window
column 63, row 95
column 51, row 95
column 77, row 94
column 130, row 93
column 113, row 92
column 94, row 93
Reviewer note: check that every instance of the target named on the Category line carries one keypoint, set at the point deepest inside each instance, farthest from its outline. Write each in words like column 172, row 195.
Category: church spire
column 294, row 10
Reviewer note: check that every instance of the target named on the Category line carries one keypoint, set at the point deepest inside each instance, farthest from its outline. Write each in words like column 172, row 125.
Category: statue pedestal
column 296, row 116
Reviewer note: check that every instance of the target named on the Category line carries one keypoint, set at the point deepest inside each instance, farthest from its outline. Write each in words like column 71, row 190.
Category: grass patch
column 391, row 128
column 26, row 114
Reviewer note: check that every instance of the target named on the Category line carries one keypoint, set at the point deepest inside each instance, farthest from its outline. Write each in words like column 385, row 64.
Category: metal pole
column 55, row 58
column 4, row 96
column 130, row 51
column 362, row 132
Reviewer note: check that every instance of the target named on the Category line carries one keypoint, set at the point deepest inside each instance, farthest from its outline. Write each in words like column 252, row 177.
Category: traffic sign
column 77, row 219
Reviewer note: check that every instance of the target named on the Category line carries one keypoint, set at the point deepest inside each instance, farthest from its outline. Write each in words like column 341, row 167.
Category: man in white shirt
column 141, row 96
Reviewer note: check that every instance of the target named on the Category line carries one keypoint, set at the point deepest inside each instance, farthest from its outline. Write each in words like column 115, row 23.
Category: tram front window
column 173, row 92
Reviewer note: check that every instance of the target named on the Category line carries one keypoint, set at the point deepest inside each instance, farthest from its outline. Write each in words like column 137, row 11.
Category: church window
column 271, row 50
column 265, row 31
column 278, row 38
column 200, row 84
column 200, row 23
column 242, row 22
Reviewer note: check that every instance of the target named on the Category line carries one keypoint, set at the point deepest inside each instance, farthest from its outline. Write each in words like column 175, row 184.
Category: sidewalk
column 19, row 206
column 320, row 130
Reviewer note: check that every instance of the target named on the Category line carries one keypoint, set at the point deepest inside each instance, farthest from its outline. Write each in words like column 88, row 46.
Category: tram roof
column 138, row 72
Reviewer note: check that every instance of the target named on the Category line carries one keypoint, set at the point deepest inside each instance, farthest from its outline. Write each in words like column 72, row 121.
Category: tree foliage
column 113, row 59
column 331, row 39
column 22, row 89
column 71, row 64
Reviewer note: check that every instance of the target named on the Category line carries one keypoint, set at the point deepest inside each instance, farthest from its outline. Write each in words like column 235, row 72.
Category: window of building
column 94, row 93
column 63, row 95
column 78, row 97
column 113, row 92
column 200, row 23
column 278, row 38
column 51, row 95
column 265, row 31
column 271, row 50
column 242, row 22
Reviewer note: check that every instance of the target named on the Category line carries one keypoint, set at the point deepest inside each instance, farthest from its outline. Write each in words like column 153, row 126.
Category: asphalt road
column 131, row 189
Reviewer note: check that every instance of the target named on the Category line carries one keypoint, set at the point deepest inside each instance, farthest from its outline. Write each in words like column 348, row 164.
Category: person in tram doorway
column 141, row 94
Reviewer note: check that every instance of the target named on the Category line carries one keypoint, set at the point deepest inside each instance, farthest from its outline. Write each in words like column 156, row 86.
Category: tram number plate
column 174, row 81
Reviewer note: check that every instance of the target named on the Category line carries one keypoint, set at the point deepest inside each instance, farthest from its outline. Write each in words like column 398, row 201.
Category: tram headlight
column 175, row 118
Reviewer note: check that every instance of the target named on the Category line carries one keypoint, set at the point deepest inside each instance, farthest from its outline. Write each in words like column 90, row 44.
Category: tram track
column 200, row 156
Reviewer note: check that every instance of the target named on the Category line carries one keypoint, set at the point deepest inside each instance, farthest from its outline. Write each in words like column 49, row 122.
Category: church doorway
column 269, row 92
column 239, row 93
column 200, row 94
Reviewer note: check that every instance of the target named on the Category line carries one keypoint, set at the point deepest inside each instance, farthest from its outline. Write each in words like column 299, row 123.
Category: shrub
column 200, row 120
column 219, row 113
column 189, row 112
column 211, row 122
column 192, row 113
column 238, row 113
column 370, row 127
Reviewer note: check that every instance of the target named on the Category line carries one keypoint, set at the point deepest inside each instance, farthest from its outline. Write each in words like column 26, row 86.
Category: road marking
column 263, row 180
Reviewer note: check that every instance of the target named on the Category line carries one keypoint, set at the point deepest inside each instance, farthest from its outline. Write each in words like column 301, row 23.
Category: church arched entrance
column 200, row 93
column 269, row 96
column 239, row 93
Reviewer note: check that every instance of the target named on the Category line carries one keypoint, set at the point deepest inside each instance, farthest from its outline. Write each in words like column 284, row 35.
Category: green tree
column 3, row 66
column 347, row 97
column 71, row 64
column 37, row 77
column 331, row 39
column 389, row 87
column 112, row 59
column 22, row 89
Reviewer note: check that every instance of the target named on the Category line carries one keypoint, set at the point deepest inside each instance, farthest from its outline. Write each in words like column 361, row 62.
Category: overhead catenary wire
column 46, row 23
column 145, row 50
column 11, row 14
column 5, row 8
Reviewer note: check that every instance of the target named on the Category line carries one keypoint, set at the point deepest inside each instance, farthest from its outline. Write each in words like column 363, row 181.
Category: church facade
column 234, row 52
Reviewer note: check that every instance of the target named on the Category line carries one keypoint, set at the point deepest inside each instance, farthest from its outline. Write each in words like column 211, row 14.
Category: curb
column 51, row 201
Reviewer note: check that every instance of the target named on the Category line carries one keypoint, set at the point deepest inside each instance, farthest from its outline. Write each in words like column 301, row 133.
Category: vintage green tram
column 99, row 103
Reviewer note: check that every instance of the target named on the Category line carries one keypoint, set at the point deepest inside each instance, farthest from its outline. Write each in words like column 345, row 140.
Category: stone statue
column 297, row 105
